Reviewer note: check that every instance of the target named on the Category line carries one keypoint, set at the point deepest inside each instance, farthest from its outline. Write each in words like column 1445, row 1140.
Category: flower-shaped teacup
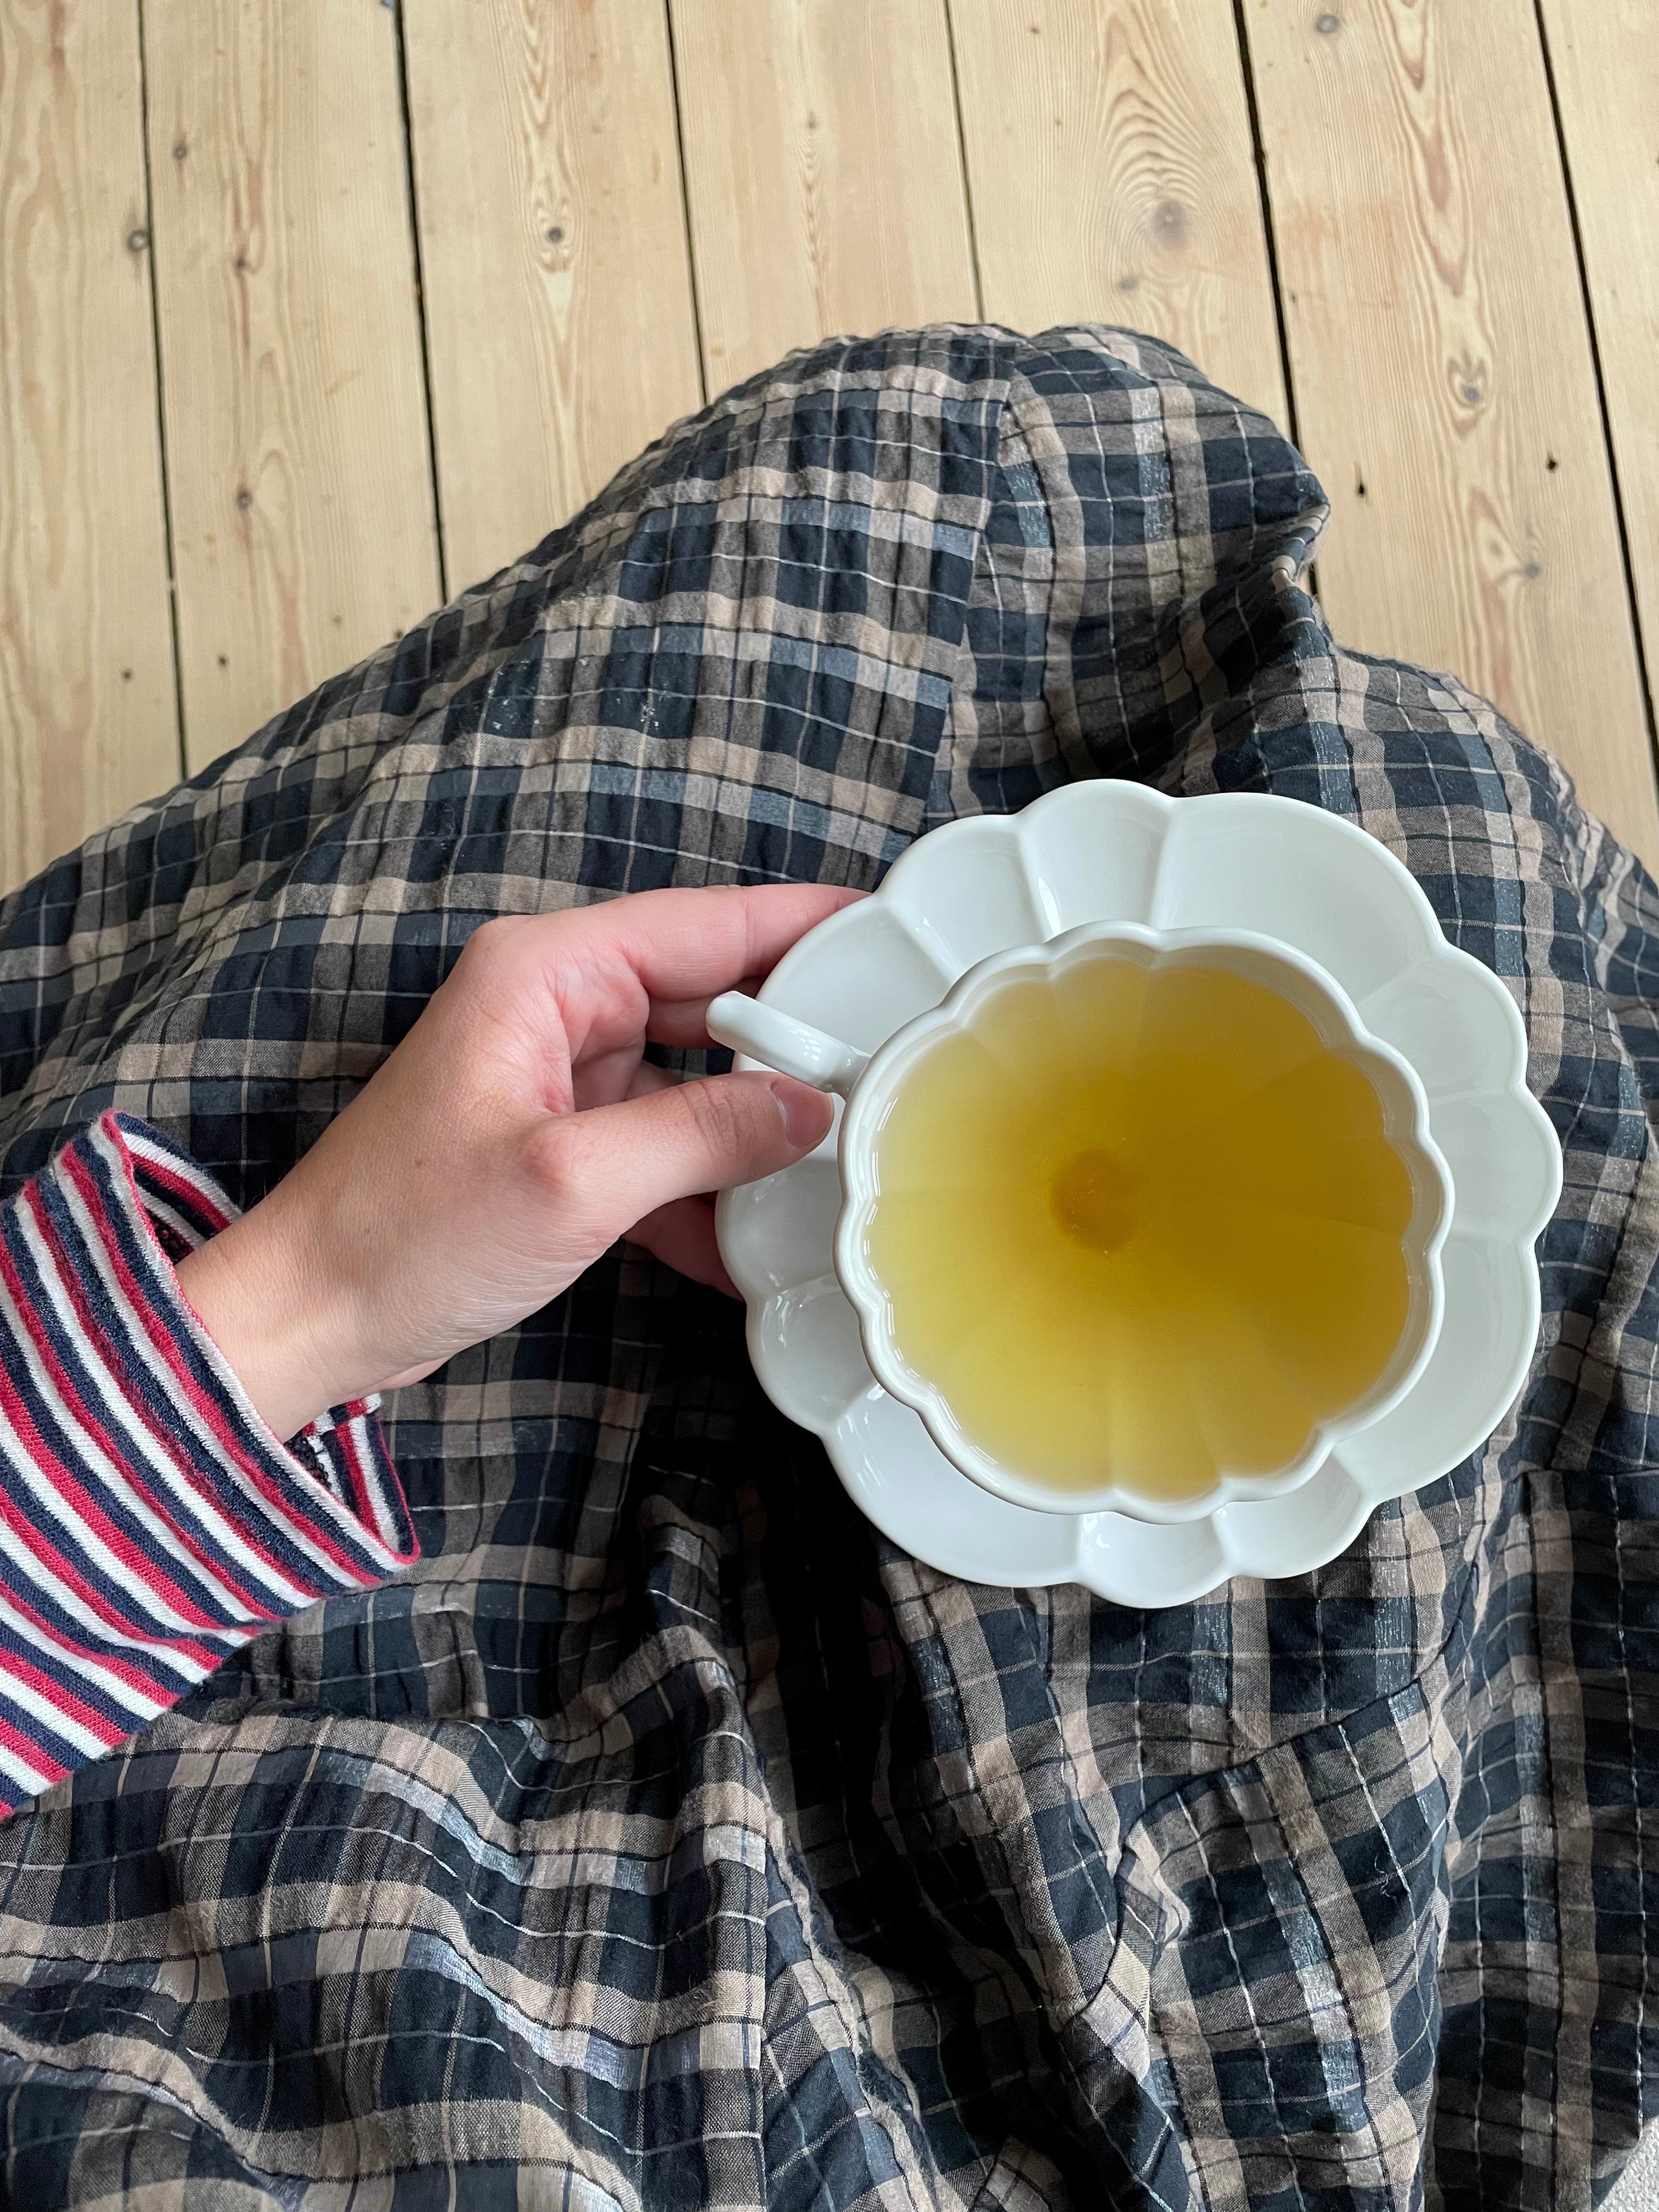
column 1136, row 1220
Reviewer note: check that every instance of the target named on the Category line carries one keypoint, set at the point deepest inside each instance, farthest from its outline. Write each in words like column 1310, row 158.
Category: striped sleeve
column 149, row 1521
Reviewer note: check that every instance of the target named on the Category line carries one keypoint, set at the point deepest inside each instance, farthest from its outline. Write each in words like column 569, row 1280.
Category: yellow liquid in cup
column 1141, row 1226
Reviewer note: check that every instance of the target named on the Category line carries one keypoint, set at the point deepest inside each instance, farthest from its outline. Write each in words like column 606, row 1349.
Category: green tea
column 1141, row 1226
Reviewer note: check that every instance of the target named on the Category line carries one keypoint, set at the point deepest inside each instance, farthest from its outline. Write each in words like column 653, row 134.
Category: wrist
column 260, row 1295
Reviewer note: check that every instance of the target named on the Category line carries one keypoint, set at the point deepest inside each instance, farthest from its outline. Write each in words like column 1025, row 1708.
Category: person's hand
column 510, row 1141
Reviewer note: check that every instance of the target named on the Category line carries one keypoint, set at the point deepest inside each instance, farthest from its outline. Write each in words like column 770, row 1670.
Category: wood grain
column 823, row 171
column 1109, row 166
column 1443, row 368
column 558, row 285
column 88, row 720
column 294, row 407
column 1606, row 60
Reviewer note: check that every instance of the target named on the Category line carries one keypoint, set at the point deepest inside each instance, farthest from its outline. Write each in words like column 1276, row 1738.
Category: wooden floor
column 313, row 310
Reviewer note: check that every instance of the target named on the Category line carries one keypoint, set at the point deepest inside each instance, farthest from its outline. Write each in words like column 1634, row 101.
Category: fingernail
column 805, row 1112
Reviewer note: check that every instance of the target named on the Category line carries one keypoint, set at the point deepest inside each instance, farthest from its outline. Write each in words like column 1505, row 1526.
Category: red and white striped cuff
column 149, row 1521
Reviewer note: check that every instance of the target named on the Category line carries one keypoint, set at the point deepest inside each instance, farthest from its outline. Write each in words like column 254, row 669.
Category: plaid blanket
column 666, row 1839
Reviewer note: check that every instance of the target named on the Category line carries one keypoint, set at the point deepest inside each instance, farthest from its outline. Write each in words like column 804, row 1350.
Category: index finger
column 690, row 944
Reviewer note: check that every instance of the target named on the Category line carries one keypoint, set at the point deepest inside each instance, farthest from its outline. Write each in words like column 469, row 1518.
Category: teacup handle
column 780, row 1041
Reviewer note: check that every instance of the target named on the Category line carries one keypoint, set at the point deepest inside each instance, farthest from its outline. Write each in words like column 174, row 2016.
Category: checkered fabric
column 666, row 1839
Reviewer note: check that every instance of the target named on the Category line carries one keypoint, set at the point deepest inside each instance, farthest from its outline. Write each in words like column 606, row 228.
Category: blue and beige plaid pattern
column 666, row 1839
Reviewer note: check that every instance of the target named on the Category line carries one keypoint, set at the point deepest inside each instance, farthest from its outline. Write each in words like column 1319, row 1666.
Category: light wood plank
column 1112, row 179
column 553, row 249
column 89, row 721
column 300, row 481
column 1606, row 60
column 1443, row 377
column 823, row 171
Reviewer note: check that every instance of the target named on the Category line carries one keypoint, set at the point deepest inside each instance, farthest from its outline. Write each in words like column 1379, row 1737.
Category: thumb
column 623, row 1162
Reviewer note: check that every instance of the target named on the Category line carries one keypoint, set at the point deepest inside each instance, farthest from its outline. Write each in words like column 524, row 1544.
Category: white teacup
column 871, row 1084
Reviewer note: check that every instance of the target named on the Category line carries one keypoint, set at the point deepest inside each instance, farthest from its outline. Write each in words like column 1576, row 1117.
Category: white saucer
column 1117, row 852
